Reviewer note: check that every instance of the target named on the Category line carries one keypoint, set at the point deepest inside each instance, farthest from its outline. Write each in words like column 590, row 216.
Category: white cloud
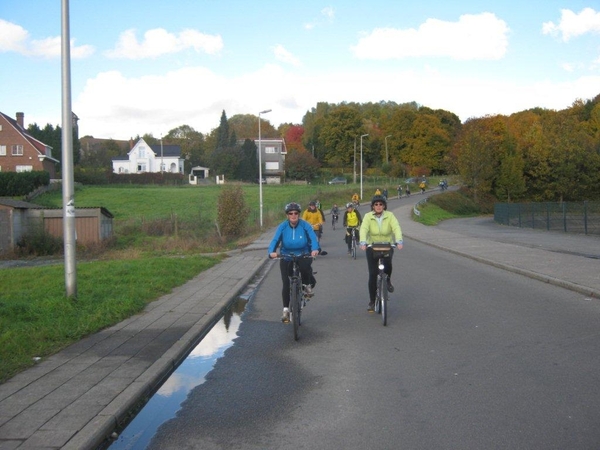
column 327, row 13
column 481, row 36
column 112, row 105
column 14, row 38
column 285, row 56
column 574, row 25
column 159, row 42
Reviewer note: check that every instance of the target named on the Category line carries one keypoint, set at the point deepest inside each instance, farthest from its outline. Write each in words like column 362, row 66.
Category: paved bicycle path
column 76, row 398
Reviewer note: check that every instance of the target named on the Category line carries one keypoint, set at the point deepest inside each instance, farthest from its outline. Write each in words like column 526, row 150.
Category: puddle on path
column 191, row 373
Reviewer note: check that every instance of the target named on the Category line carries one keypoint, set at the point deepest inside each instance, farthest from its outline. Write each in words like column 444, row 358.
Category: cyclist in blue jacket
column 294, row 236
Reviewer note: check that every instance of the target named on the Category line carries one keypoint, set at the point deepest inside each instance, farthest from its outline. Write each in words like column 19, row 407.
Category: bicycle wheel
column 384, row 300
column 353, row 248
column 295, row 307
column 378, row 294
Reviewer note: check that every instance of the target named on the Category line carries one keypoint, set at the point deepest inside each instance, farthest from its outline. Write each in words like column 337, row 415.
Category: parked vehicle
column 338, row 180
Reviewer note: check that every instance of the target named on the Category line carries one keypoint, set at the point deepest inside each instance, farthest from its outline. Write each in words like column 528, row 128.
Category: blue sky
column 149, row 66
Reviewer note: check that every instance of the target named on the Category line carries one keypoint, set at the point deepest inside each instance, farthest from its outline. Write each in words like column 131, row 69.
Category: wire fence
column 570, row 217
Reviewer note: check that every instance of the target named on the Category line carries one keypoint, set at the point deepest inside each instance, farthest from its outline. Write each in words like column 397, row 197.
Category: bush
column 456, row 203
column 91, row 176
column 232, row 213
column 165, row 178
column 13, row 184
column 39, row 242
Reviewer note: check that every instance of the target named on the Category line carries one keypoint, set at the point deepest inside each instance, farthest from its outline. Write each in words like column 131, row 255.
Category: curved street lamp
column 361, row 171
column 260, row 195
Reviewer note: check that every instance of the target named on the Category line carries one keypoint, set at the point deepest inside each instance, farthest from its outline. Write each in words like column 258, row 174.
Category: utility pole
column 68, row 184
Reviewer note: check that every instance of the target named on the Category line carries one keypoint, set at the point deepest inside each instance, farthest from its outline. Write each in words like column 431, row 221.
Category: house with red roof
column 21, row 152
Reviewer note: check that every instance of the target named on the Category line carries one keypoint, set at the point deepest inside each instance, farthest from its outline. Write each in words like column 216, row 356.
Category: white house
column 150, row 158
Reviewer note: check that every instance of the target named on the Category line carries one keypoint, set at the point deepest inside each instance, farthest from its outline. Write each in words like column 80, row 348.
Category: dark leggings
column 373, row 270
column 286, row 268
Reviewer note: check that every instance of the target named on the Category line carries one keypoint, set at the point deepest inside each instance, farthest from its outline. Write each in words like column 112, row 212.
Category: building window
column 20, row 168
column 270, row 150
column 271, row 166
column 2, row 150
column 142, row 152
column 17, row 150
column 141, row 167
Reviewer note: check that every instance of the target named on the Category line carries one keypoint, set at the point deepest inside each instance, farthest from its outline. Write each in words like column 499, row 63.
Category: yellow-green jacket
column 383, row 229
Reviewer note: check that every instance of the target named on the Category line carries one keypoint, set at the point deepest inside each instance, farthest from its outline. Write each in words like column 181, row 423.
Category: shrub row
column 88, row 177
column 13, row 184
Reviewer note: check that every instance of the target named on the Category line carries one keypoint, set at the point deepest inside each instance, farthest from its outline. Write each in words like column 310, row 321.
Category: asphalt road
column 473, row 357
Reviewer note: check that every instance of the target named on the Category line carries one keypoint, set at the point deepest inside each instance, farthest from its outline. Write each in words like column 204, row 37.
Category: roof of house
column 167, row 150
column 38, row 145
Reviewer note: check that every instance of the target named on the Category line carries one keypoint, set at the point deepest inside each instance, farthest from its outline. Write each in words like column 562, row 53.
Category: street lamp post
column 354, row 177
column 386, row 152
column 361, row 164
column 162, row 163
column 260, row 195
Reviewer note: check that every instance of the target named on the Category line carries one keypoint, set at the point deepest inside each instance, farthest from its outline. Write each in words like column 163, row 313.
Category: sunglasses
column 292, row 213
column 377, row 204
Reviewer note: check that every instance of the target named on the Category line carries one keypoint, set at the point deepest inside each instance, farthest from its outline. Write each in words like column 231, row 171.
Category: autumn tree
column 337, row 134
column 192, row 145
column 301, row 165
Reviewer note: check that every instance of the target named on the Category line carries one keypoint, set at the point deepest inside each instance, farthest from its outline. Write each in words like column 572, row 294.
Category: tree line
column 537, row 154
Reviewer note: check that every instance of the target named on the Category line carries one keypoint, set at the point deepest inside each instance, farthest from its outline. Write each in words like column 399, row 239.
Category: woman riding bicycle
column 379, row 225
column 351, row 220
column 295, row 237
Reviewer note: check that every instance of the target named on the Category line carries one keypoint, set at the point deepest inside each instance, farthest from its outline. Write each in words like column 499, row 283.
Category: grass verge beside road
column 37, row 319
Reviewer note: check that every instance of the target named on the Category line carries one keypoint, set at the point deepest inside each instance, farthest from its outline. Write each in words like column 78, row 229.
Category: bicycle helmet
column 379, row 198
column 293, row 206
column 349, row 205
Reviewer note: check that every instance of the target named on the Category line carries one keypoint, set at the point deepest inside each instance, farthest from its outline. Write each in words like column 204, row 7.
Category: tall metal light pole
column 361, row 172
column 354, row 178
column 162, row 163
column 260, row 196
column 386, row 152
column 68, row 190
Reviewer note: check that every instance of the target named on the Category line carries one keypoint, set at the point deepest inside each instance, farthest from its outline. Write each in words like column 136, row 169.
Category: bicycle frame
column 297, row 298
column 380, row 250
column 354, row 244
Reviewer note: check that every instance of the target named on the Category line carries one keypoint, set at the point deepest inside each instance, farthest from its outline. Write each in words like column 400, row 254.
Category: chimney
column 20, row 119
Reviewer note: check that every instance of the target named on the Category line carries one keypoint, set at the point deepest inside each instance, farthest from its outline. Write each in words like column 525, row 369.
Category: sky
column 146, row 67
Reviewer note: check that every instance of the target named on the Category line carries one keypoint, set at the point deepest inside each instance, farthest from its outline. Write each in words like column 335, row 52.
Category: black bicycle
column 298, row 297
column 381, row 250
column 354, row 241
column 334, row 219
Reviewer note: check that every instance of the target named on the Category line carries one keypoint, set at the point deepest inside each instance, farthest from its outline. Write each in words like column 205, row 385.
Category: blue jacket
column 298, row 240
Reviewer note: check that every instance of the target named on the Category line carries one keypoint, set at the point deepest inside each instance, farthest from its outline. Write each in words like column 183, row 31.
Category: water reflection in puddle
column 191, row 373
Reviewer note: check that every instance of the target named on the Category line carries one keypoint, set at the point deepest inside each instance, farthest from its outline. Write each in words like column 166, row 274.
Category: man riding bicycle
column 335, row 213
column 351, row 221
column 315, row 217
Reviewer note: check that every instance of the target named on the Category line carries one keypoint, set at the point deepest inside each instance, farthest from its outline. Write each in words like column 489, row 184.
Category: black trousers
column 373, row 270
column 286, row 268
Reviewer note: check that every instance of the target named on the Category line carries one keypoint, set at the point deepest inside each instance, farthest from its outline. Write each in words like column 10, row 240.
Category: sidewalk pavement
column 76, row 398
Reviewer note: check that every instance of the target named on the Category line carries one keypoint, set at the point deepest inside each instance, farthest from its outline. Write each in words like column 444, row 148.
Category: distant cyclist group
column 296, row 243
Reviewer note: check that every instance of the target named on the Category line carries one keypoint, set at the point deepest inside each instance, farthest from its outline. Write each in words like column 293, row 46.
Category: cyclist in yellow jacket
column 352, row 220
column 315, row 217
